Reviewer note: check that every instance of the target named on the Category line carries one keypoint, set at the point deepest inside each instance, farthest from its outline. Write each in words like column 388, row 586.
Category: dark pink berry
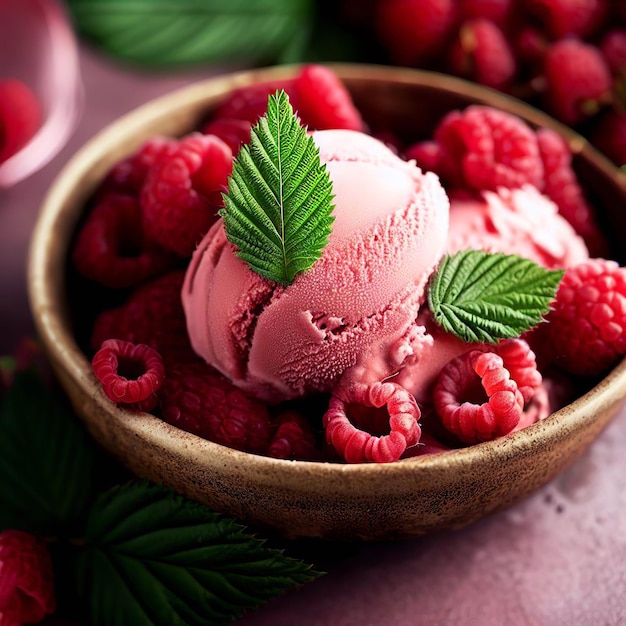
column 482, row 53
column 562, row 187
column 20, row 117
column 232, row 132
column 181, row 196
column 475, row 397
column 249, row 103
column 293, row 438
column 153, row 314
column 128, row 175
column 357, row 445
column 413, row 31
column 613, row 48
column 609, row 136
column 561, row 18
column 497, row 11
column 26, row 579
column 520, row 361
column 111, row 247
column 484, row 148
column 588, row 318
column 323, row 100
column 130, row 374
column 199, row 400
column 578, row 80
column 428, row 155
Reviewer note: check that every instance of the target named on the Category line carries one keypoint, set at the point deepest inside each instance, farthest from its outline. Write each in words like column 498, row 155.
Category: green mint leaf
column 45, row 459
column 279, row 201
column 168, row 33
column 484, row 297
column 154, row 558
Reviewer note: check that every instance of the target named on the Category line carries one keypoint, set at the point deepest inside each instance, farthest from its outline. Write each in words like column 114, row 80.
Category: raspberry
column 588, row 319
column 293, row 438
column 197, row 399
column 250, row 102
column 111, row 248
column 475, row 420
column 481, row 53
column 484, row 148
column 581, row 18
column 153, row 314
column 129, row 174
column 20, row 117
column 530, row 45
column 613, row 48
column 415, row 30
column 181, row 195
column 609, row 136
column 562, row 187
column 497, row 11
column 323, row 101
column 427, row 155
column 130, row 374
column 578, row 80
column 359, row 446
column 521, row 363
column 231, row 131
column 26, row 579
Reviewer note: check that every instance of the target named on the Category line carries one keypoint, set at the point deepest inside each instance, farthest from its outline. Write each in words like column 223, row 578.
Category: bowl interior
column 303, row 498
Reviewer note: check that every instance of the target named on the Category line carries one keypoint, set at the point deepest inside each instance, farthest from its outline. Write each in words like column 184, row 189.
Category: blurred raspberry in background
column 566, row 57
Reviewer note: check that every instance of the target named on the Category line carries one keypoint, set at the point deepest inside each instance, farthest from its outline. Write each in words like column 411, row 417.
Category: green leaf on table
column 278, row 208
column 162, row 33
column 154, row 558
column 45, row 459
column 480, row 296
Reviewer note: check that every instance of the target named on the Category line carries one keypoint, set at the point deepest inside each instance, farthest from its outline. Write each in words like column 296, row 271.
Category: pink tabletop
column 557, row 558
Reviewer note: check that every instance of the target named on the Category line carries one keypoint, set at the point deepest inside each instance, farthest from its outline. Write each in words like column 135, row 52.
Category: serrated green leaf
column 479, row 296
column 45, row 460
column 279, row 201
column 163, row 33
column 155, row 558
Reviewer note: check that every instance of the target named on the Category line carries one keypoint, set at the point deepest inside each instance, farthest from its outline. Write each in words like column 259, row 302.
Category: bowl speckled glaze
column 306, row 499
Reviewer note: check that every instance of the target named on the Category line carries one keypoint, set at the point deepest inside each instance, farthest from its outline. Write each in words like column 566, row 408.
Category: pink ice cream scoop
column 354, row 312
column 515, row 221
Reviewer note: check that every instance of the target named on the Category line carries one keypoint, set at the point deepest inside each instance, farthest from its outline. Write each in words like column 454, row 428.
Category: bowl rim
column 60, row 343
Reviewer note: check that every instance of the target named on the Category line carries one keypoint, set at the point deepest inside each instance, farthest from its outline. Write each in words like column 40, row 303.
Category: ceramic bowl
column 307, row 499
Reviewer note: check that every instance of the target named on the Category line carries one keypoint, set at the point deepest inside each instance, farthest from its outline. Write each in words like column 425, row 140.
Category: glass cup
column 38, row 48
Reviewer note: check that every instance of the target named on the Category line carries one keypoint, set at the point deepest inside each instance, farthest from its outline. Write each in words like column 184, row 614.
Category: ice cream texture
column 353, row 314
column 514, row 221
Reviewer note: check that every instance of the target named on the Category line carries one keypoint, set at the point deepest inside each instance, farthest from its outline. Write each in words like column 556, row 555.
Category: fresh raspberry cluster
column 565, row 56
column 154, row 205
column 483, row 149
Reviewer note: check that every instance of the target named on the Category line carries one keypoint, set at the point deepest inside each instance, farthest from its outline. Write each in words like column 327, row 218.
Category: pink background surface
column 557, row 558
